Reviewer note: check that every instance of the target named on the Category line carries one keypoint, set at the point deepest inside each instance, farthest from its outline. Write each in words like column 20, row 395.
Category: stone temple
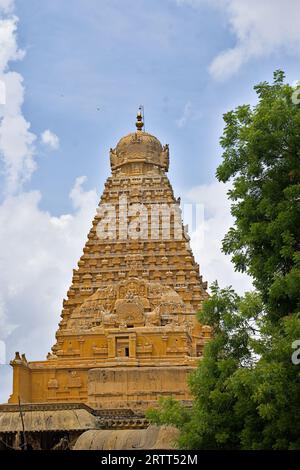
column 128, row 332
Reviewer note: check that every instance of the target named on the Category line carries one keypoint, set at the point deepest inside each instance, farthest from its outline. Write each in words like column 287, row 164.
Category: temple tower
column 128, row 332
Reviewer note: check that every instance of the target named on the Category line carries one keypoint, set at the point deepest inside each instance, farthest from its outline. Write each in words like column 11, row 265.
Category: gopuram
column 128, row 332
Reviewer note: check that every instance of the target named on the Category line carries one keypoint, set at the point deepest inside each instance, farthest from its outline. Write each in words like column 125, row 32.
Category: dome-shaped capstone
column 139, row 147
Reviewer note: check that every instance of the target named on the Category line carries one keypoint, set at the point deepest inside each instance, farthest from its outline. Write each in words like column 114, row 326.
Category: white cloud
column 206, row 239
column 188, row 113
column 16, row 140
column 181, row 122
column 260, row 28
column 37, row 255
column 9, row 50
column 50, row 139
column 37, row 249
column 6, row 5
column 6, row 328
column 2, row 92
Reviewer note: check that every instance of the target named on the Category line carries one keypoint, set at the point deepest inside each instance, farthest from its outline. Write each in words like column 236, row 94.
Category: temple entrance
column 122, row 347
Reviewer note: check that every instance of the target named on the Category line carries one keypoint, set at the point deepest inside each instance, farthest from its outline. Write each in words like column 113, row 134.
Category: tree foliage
column 262, row 159
column 246, row 387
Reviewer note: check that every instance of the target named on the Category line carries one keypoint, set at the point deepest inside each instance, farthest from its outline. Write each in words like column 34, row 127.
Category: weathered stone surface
column 129, row 315
column 154, row 437
column 136, row 388
column 55, row 420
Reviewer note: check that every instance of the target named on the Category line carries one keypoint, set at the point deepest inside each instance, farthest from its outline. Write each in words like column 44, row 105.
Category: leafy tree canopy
column 262, row 159
column 246, row 388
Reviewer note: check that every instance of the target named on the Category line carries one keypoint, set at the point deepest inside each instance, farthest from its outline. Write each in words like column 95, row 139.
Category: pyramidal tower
column 128, row 332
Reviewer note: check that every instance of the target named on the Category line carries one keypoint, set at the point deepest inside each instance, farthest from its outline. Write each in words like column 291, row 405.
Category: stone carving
column 52, row 383
column 74, row 380
column 131, row 304
column 130, row 311
column 153, row 318
column 134, row 302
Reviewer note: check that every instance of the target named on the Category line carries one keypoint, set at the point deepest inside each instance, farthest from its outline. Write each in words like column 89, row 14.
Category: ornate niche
column 130, row 311
column 128, row 304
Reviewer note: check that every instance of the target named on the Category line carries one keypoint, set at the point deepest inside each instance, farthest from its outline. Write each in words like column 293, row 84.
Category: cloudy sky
column 72, row 74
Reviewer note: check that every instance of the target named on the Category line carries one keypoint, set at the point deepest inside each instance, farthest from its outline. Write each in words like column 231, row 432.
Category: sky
column 72, row 75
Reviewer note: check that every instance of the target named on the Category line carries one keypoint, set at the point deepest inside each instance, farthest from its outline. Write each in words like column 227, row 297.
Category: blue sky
column 82, row 55
column 114, row 55
column 74, row 91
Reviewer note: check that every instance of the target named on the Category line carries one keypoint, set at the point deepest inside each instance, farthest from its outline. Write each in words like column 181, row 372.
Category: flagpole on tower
column 142, row 111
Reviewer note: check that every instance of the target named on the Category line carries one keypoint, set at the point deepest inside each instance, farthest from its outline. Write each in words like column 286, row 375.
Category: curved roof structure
column 47, row 420
column 154, row 437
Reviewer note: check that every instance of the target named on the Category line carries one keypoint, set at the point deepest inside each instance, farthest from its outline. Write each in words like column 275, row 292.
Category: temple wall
column 110, row 387
column 49, row 385
column 128, row 332
column 21, row 384
column 135, row 387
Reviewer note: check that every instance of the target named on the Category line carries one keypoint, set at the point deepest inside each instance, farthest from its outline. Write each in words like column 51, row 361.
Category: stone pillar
column 111, row 346
column 21, row 380
column 132, row 346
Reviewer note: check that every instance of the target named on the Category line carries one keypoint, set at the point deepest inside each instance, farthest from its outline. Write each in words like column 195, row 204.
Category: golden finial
column 139, row 120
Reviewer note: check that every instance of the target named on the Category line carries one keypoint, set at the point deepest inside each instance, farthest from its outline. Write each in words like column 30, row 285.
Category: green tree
column 268, row 395
column 262, row 159
column 211, row 424
column 214, row 423
column 246, row 388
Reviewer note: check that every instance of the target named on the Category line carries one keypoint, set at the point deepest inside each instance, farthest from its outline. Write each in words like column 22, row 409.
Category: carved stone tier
column 128, row 331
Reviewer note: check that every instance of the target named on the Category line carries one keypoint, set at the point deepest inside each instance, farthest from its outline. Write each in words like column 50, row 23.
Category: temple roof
column 154, row 437
column 131, row 303
column 47, row 420
column 140, row 146
column 138, row 137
